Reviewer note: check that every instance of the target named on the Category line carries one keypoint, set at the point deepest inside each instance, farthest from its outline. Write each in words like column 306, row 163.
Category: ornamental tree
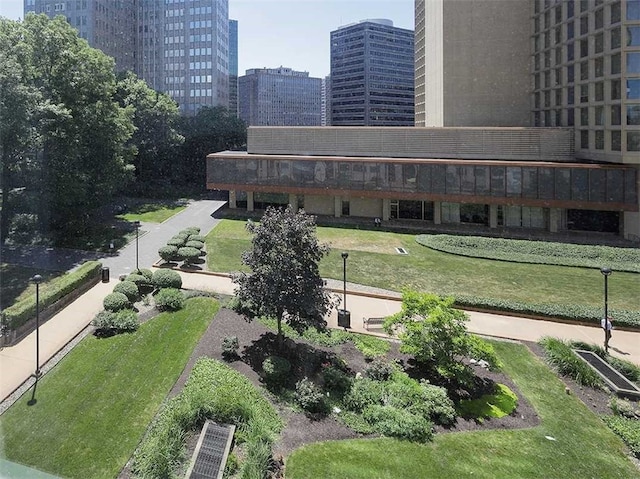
column 284, row 282
column 435, row 333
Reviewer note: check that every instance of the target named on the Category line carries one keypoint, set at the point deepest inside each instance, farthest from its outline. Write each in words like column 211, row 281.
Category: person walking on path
column 607, row 325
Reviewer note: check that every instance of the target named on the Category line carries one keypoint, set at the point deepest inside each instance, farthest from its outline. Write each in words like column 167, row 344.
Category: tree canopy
column 284, row 282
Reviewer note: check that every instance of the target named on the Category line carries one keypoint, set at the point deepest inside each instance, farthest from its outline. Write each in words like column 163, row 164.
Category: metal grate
column 210, row 455
column 621, row 385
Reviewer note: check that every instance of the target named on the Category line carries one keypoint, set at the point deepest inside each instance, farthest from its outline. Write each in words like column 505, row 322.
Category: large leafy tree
column 72, row 131
column 284, row 282
column 155, row 140
column 212, row 129
column 435, row 333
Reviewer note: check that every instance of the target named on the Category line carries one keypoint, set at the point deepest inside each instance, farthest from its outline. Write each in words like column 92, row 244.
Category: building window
column 570, row 31
column 584, row 139
column 584, row 25
column 633, row 36
column 633, row 11
column 598, row 67
column 584, row 116
column 584, row 48
column 615, row 115
column 633, row 115
column 633, row 62
column 558, row 95
column 615, row 89
column 615, row 64
column 599, row 115
column 633, row 140
column 615, row 38
column 570, row 95
column 584, row 93
column 616, row 140
column 570, row 117
column 599, row 140
column 584, row 70
column 633, row 89
column 570, row 52
column 599, row 43
column 599, row 91
column 615, row 13
column 570, row 74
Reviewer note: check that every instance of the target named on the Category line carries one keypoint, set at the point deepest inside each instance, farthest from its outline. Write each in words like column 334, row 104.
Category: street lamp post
column 344, row 316
column 37, row 279
column 137, row 225
column 606, row 272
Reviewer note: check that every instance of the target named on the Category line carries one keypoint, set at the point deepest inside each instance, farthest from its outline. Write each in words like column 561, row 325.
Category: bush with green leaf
column 147, row 273
column 275, row 371
column 190, row 230
column 168, row 252
column 623, row 407
column 115, row 302
column 629, row 370
column 189, row 255
column 393, row 422
column 194, row 244
column 122, row 321
column 197, row 237
column 169, row 299
column 380, row 369
column 310, row 397
column 230, row 346
column 336, row 381
column 129, row 289
column 178, row 241
column 562, row 358
column 364, row 392
column 166, row 278
column 138, row 279
column 628, row 429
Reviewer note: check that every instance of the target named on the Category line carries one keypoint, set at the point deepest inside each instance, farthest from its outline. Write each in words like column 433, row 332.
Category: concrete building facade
column 372, row 75
column 181, row 48
column 279, row 96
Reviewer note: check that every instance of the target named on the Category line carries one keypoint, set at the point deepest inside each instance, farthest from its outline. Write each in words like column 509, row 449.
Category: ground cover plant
column 373, row 261
column 153, row 211
column 557, row 448
column 91, row 410
column 538, row 252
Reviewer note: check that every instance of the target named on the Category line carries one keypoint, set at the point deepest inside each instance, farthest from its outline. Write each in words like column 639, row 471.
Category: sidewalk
column 17, row 362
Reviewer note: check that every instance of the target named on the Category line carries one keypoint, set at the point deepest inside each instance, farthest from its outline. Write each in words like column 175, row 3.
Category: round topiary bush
column 276, row 370
column 191, row 230
column 123, row 320
column 194, row 244
column 202, row 239
column 177, row 241
column 167, row 278
column 147, row 273
column 169, row 299
column 168, row 253
column 129, row 289
column 115, row 302
column 189, row 255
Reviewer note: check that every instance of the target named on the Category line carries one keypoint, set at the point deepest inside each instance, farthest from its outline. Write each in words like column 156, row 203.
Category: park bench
column 210, row 456
column 372, row 323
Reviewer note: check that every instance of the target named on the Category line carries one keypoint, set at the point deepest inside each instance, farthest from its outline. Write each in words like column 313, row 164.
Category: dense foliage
column 115, row 322
column 169, row 299
column 561, row 357
column 167, row 278
column 538, row 252
column 285, row 282
column 217, row 392
column 115, row 302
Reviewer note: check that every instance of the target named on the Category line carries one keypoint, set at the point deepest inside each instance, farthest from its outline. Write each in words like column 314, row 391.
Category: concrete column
column 437, row 213
column 232, row 199
column 293, row 201
column 554, row 219
column 337, row 206
column 250, row 201
column 386, row 209
column 493, row 216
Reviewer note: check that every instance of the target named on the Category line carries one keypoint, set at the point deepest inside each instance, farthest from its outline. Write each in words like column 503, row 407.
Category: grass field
column 153, row 212
column 571, row 441
column 373, row 261
column 93, row 408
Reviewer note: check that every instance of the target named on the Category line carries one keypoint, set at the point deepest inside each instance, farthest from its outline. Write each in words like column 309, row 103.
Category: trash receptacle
column 344, row 318
column 105, row 274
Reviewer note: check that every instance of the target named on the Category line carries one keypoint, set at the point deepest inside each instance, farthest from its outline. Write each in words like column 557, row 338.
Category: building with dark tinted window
column 279, row 97
column 233, row 67
column 372, row 75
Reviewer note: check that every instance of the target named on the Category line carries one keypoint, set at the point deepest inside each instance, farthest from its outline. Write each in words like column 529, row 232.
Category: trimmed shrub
column 230, row 346
column 197, row 293
column 199, row 238
column 364, row 392
column 169, row 299
column 166, row 278
column 194, row 244
column 21, row 312
column 103, row 320
column 562, row 358
column 115, row 302
column 189, row 255
column 137, row 279
column 190, row 230
column 246, row 308
column 309, row 397
column 177, row 241
column 147, row 273
column 168, row 252
column 275, row 370
column 336, row 381
column 422, row 399
column 129, row 289
column 393, row 422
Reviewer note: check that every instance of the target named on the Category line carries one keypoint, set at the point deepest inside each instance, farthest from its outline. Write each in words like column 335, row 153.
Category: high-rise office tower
column 109, row 25
column 372, row 75
column 543, row 63
column 181, row 48
column 279, row 97
column 326, row 101
column 233, row 67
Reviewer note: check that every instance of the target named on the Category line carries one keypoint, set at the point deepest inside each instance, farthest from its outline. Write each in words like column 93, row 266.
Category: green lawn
column 153, row 212
column 373, row 261
column 582, row 445
column 93, row 408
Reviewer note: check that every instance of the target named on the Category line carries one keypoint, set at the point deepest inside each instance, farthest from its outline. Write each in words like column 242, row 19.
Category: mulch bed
column 254, row 338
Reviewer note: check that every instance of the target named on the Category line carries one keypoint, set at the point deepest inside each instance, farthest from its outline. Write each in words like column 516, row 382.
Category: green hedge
column 537, row 252
column 570, row 312
column 21, row 312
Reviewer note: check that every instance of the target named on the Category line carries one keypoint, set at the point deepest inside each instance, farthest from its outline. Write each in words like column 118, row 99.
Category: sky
column 290, row 33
